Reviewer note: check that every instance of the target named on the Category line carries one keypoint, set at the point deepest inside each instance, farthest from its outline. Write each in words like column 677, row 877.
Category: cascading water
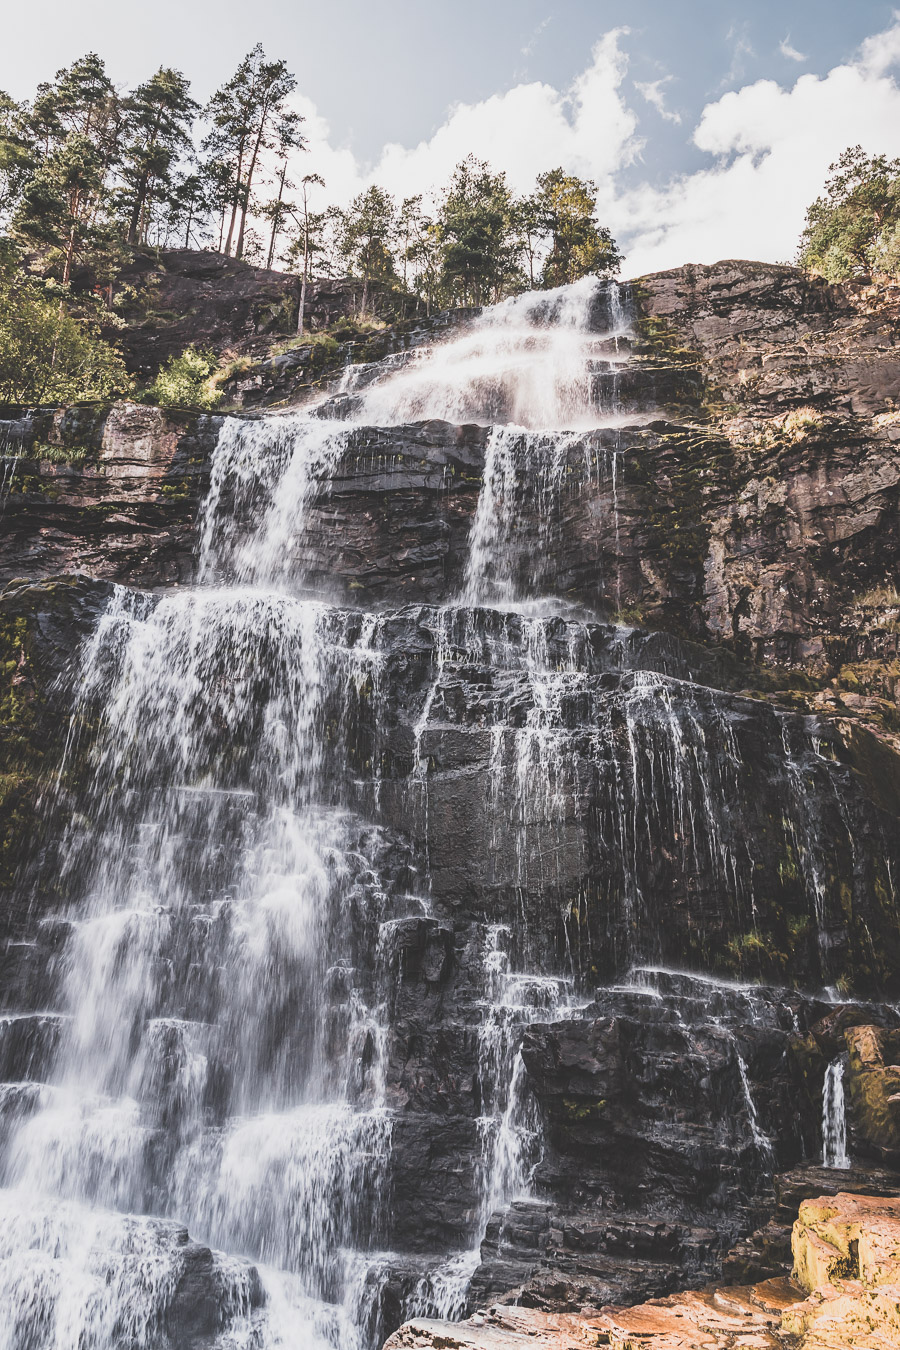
column 220, row 1058
column 834, row 1118
column 244, row 908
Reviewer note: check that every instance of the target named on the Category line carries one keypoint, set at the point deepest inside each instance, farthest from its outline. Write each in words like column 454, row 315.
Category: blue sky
column 707, row 126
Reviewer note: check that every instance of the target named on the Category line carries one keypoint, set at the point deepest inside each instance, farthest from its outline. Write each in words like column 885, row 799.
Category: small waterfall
column 761, row 1140
column 531, row 362
column 12, row 436
column 834, row 1118
column 220, row 1058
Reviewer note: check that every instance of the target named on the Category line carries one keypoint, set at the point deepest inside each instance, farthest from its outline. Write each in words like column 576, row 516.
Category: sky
column 707, row 126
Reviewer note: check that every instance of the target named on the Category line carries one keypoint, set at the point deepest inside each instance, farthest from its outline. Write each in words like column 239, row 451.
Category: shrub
column 187, row 381
column 48, row 354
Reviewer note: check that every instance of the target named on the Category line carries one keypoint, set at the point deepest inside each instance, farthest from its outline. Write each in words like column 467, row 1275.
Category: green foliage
column 475, row 229
column 323, row 346
column 365, row 235
column 249, row 116
column 16, row 158
column 854, row 228
column 157, row 123
column 70, row 139
column 579, row 247
column 47, row 353
column 87, row 171
column 186, row 381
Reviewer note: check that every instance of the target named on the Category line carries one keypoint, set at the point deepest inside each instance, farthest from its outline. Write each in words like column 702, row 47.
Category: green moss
column 323, row 347
column 176, row 492
column 689, row 464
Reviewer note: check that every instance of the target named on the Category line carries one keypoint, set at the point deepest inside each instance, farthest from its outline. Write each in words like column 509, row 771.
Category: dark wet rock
column 109, row 490
column 203, row 1300
column 606, row 805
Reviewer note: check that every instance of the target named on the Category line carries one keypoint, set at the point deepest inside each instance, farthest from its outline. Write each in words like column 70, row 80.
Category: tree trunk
column 136, row 210
column 235, row 200
column 276, row 218
column 245, row 196
column 302, row 310
column 70, row 246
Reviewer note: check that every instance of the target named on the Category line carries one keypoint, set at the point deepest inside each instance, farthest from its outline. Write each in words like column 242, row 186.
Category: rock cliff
column 613, row 878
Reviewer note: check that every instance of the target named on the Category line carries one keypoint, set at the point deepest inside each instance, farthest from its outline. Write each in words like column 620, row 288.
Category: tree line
column 88, row 172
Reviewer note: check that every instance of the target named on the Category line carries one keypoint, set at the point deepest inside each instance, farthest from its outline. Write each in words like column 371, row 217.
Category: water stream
column 221, row 1059
column 834, row 1118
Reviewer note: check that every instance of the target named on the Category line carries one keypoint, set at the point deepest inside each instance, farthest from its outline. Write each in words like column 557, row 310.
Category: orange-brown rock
column 846, row 1263
column 847, row 1259
column 738, row 1318
column 874, row 1081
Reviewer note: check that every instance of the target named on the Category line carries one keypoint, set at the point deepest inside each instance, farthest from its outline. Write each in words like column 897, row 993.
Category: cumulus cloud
column 587, row 128
column 882, row 51
column 653, row 93
column 768, row 148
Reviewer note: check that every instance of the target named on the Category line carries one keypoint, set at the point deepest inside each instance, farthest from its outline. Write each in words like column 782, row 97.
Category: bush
column 187, row 381
column 48, row 354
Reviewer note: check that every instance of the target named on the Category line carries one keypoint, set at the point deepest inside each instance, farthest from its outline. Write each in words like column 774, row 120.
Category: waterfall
column 220, row 1057
column 255, row 881
column 834, row 1118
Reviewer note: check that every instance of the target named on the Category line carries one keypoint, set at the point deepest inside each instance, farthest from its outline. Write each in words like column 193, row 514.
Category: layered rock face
column 843, row 1296
column 384, row 908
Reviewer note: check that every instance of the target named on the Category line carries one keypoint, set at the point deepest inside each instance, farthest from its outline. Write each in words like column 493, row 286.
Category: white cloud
column 772, row 148
column 769, row 149
column 881, row 51
column 741, row 53
column 653, row 93
column 587, row 128
column 790, row 52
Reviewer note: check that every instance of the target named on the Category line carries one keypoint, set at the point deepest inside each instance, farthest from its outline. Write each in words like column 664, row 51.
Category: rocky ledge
column 843, row 1294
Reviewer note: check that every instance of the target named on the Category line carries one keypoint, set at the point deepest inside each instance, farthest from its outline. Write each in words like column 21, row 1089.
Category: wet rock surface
column 667, row 1100
column 761, row 515
column 588, row 926
column 842, row 1294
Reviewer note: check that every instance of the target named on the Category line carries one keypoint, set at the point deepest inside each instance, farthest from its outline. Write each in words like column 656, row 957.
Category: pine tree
column 156, row 132
column 278, row 210
column 579, row 247
column 309, row 240
column 250, row 116
column 366, row 237
column 420, row 249
column 475, row 227
column 73, row 126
